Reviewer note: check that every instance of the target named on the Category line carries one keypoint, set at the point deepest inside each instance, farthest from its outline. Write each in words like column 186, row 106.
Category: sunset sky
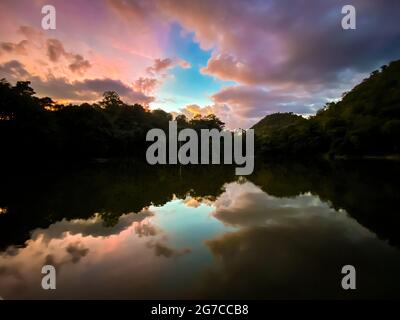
column 238, row 59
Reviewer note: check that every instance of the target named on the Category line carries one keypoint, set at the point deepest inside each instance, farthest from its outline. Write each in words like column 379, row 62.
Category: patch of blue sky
column 187, row 86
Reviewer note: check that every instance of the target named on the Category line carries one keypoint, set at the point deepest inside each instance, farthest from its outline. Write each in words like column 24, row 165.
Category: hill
column 366, row 121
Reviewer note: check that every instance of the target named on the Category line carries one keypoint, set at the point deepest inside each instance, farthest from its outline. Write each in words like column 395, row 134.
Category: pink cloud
column 19, row 48
column 162, row 65
column 277, row 43
column 79, row 64
column 223, row 111
column 61, row 88
column 280, row 53
column 145, row 85
column 255, row 102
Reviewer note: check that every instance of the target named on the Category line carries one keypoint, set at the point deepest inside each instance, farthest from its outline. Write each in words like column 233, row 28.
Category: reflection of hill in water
column 367, row 191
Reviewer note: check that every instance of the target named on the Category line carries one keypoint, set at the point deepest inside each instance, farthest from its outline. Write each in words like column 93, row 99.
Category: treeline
column 38, row 128
column 365, row 122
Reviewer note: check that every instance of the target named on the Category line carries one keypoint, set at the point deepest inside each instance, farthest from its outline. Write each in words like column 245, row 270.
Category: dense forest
column 38, row 128
column 365, row 122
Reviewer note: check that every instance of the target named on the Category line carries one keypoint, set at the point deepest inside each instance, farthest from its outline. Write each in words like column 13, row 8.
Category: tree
column 23, row 88
column 110, row 99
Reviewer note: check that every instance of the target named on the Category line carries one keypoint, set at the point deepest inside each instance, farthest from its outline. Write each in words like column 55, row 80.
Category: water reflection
column 194, row 239
column 295, row 248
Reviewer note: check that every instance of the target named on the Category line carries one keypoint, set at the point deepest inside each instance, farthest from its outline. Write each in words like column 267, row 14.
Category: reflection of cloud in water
column 163, row 250
column 195, row 202
column 247, row 205
column 294, row 248
column 75, row 252
column 94, row 226
column 244, row 244
column 91, row 260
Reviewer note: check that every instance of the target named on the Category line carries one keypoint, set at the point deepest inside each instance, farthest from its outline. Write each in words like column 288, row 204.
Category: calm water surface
column 124, row 231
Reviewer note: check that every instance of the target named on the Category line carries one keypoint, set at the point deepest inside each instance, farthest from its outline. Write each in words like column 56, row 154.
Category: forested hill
column 365, row 122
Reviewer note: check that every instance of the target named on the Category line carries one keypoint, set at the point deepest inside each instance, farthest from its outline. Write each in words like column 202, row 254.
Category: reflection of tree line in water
column 39, row 199
column 366, row 190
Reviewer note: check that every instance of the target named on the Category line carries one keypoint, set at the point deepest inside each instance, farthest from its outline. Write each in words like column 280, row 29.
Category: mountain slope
column 365, row 122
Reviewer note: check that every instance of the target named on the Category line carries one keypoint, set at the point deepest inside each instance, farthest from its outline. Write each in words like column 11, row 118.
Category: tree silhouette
column 56, row 132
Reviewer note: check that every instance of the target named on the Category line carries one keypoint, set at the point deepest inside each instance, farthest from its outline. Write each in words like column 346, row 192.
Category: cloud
column 55, row 50
column 285, row 246
column 184, row 64
column 265, row 42
column 192, row 110
column 32, row 34
column 77, row 251
column 140, row 13
column 14, row 70
column 161, row 65
column 233, row 207
column 145, row 229
column 14, row 48
column 101, row 85
column 223, row 111
column 78, row 90
column 242, row 106
column 145, row 85
column 95, row 227
column 89, row 89
column 255, row 102
column 298, row 260
column 132, row 263
column 163, row 250
column 79, row 64
column 281, row 45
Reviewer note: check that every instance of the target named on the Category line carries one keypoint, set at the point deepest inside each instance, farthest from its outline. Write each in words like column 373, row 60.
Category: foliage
column 40, row 128
column 365, row 122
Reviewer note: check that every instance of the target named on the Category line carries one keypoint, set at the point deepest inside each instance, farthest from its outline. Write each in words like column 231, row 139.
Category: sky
column 238, row 59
